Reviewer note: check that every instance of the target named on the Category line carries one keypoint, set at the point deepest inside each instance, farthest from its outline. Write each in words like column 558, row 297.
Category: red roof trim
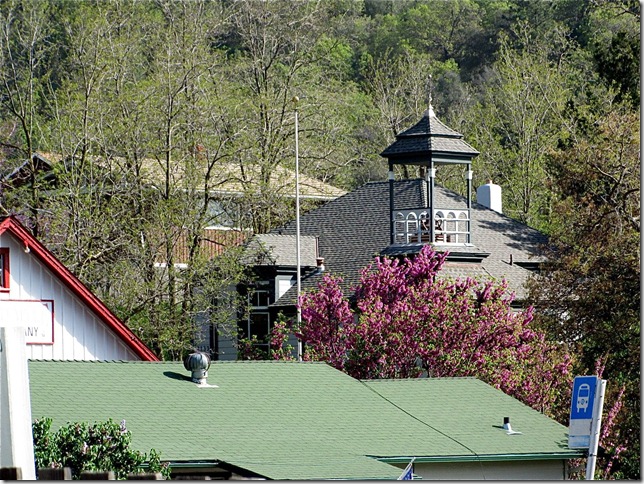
column 77, row 287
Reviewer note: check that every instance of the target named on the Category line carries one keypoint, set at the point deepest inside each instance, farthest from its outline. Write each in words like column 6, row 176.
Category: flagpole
column 297, row 228
column 408, row 473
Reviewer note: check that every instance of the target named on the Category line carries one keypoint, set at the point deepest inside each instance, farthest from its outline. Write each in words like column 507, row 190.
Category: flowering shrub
column 407, row 323
column 103, row 446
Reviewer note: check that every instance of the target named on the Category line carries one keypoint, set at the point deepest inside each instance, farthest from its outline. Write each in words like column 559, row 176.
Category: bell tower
column 430, row 144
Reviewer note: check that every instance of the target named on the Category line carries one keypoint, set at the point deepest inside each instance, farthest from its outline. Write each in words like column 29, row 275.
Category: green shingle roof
column 290, row 420
column 471, row 412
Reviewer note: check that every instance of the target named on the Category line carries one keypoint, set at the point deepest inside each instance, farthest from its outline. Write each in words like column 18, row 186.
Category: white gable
column 58, row 324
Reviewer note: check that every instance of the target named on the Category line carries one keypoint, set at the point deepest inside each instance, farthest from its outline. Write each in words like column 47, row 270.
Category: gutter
column 480, row 458
column 190, row 464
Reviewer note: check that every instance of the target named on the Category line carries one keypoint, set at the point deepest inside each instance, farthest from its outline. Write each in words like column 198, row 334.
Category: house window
column 4, row 269
column 258, row 322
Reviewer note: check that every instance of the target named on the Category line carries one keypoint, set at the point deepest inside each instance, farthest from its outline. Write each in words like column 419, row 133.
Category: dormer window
column 4, row 270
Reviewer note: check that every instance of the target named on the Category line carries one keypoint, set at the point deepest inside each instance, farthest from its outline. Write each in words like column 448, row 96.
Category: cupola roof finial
column 430, row 108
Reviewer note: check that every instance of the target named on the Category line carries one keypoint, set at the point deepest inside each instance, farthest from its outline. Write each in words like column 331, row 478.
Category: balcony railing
column 451, row 226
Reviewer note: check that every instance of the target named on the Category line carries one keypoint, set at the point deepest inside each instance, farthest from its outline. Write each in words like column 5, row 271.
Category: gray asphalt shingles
column 354, row 228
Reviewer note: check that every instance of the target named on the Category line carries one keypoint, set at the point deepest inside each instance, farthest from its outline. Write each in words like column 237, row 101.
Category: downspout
column 427, row 202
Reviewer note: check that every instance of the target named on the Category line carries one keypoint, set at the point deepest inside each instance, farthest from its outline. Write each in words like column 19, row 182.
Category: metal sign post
column 297, row 229
column 594, row 436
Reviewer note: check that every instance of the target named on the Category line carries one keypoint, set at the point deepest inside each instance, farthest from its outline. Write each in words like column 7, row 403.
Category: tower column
column 432, row 222
column 469, row 204
column 391, row 203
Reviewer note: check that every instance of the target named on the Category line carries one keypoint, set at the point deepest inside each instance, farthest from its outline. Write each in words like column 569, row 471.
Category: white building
column 63, row 319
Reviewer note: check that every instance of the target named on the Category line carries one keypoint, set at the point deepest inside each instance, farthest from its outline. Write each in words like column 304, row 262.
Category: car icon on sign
column 583, row 397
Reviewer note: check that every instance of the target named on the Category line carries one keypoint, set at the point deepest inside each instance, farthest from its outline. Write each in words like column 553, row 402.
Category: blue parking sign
column 581, row 411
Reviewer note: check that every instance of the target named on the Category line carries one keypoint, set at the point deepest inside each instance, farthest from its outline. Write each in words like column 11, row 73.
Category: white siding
column 78, row 333
column 543, row 470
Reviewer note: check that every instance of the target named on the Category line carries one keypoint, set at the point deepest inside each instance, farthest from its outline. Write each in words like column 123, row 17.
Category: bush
column 102, row 446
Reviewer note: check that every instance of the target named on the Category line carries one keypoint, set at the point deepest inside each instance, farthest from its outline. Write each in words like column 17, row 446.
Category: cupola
column 430, row 144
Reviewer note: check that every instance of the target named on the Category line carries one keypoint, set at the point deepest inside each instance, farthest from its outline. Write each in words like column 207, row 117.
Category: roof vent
column 320, row 264
column 508, row 428
column 198, row 363
column 489, row 195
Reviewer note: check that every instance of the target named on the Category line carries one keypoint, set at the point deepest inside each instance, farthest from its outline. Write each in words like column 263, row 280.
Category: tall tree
column 274, row 42
column 589, row 296
column 520, row 118
column 616, row 45
column 26, row 50
column 143, row 124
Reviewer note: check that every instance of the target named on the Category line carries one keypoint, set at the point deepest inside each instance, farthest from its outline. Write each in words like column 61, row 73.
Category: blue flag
column 407, row 474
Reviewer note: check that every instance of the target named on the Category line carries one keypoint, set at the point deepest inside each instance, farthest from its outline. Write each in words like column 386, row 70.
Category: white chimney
column 490, row 196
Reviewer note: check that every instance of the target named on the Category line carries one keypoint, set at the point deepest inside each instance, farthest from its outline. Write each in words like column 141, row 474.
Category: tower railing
column 451, row 226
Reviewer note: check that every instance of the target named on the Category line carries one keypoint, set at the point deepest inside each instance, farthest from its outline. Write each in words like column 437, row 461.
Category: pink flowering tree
column 406, row 322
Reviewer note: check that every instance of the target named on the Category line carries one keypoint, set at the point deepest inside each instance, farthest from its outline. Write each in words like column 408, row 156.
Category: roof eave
column 78, row 288
column 482, row 457
column 425, row 157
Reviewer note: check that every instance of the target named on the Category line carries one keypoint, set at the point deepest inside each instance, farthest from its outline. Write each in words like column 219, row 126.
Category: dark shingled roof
column 429, row 136
column 354, row 228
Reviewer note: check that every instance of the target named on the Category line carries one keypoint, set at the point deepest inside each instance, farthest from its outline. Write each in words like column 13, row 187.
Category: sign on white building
column 60, row 317
column 35, row 316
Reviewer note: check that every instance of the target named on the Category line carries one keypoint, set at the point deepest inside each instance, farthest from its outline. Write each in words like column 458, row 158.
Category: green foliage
column 615, row 45
column 619, row 63
column 519, row 119
column 102, row 446
column 279, row 347
column 589, row 296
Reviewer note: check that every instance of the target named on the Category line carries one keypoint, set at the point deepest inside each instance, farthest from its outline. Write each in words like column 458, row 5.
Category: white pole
column 16, row 439
column 297, row 228
column 595, row 430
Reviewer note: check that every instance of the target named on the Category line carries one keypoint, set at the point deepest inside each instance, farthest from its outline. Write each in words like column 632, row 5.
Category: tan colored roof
column 235, row 178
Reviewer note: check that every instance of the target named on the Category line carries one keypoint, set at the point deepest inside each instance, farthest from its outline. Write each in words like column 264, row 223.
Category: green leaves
column 589, row 294
column 102, row 446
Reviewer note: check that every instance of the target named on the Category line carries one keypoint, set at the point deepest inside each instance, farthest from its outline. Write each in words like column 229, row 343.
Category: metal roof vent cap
column 508, row 428
column 197, row 363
